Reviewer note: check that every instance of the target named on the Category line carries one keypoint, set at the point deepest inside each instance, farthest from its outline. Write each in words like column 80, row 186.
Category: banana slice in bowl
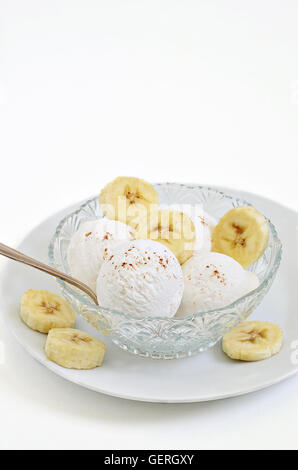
column 175, row 230
column 252, row 341
column 126, row 198
column 241, row 233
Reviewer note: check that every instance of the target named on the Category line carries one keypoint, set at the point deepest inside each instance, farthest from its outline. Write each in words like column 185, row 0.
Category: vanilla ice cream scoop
column 212, row 280
column 203, row 222
column 252, row 281
column 91, row 244
column 142, row 278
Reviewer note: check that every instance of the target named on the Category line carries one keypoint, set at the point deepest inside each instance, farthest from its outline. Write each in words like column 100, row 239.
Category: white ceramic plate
column 207, row 376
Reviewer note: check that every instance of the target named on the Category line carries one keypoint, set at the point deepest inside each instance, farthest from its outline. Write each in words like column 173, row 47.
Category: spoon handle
column 18, row 256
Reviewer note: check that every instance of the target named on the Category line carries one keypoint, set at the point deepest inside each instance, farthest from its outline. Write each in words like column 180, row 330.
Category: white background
column 201, row 91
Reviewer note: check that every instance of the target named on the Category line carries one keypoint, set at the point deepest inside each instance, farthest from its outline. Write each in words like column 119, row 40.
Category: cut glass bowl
column 166, row 338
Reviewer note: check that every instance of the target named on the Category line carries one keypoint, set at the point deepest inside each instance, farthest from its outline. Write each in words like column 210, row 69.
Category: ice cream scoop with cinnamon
column 211, row 281
column 143, row 278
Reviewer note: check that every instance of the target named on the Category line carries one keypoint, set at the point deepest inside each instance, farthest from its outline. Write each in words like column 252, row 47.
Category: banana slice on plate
column 74, row 349
column 252, row 341
column 128, row 198
column 175, row 230
column 42, row 310
column 241, row 233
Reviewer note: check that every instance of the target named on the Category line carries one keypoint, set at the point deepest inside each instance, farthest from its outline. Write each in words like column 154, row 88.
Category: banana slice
column 127, row 199
column 241, row 233
column 42, row 310
column 74, row 349
column 175, row 230
column 252, row 341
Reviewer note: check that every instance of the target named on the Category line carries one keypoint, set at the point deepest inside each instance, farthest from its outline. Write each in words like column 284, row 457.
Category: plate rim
column 54, row 368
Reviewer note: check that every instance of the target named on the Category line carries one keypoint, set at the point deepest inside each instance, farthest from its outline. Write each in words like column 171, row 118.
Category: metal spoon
column 17, row 256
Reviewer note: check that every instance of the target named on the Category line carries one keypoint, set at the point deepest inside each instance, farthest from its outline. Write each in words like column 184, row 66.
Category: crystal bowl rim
column 83, row 299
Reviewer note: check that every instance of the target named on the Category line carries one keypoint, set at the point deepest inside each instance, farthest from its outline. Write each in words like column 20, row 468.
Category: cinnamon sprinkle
column 107, row 236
